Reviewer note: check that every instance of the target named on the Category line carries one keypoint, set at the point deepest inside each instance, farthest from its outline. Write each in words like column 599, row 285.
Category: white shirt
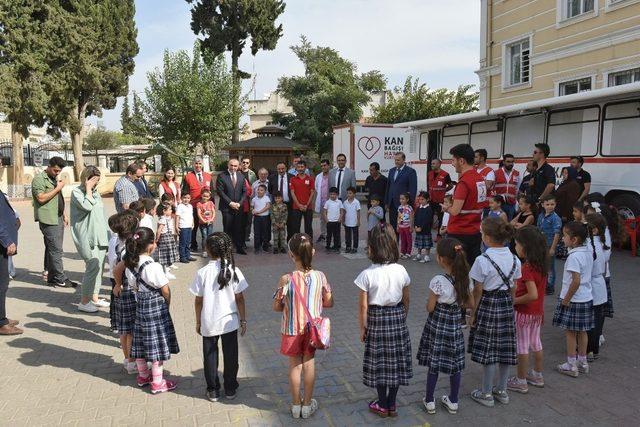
column 442, row 286
column 580, row 260
column 383, row 283
column 284, row 179
column 445, row 219
column 398, row 170
column 146, row 221
column 484, row 272
column 185, row 212
column 351, row 212
column 169, row 224
column 333, row 208
column 259, row 203
column 153, row 275
column 112, row 254
column 219, row 310
column 607, row 253
column 598, row 285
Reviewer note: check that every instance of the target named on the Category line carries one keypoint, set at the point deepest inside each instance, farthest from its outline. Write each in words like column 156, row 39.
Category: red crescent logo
column 369, row 146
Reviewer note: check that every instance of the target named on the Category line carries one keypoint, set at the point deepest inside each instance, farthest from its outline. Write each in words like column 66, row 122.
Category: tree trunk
column 17, row 159
column 236, row 97
column 77, row 142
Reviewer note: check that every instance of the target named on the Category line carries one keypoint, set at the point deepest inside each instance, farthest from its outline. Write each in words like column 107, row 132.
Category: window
column 521, row 133
column 575, row 8
column 620, row 129
column 424, row 146
column 574, row 86
column 624, row 77
column 574, row 132
column 517, row 61
column 487, row 135
column 452, row 136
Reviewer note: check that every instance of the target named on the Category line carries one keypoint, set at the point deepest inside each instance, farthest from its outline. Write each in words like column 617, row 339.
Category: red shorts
column 297, row 345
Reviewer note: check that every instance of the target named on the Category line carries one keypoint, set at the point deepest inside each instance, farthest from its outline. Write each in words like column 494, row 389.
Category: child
column 279, row 214
column 384, row 305
column 442, row 342
column 375, row 214
column 492, row 338
column 333, row 215
column 405, row 225
column 551, row 225
column 260, row 206
column 598, row 225
column 138, row 207
column 184, row 218
column 351, row 208
column 166, row 239
column 574, row 311
column 578, row 212
column 495, row 208
column 206, row 215
column 218, row 288
column 149, row 211
column 303, row 284
column 422, row 225
column 526, row 214
column 123, row 306
column 529, row 306
column 448, row 202
column 154, row 338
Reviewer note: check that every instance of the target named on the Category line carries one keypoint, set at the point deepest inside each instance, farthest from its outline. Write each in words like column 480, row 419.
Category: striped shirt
column 311, row 285
column 124, row 192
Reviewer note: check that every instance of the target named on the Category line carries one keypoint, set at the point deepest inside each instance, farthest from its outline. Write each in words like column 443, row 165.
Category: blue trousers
column 205, row 231
column 185, row 244
column 551, row 278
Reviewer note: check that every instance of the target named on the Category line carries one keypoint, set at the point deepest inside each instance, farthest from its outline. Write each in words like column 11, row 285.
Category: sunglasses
column 245, row 163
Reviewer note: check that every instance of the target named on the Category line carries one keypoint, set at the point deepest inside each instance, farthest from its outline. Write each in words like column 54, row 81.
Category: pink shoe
column 165, row 385
column 377, row 409
column 142, row 381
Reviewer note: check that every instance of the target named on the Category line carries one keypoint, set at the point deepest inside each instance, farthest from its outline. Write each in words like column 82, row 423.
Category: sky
column 434, row 40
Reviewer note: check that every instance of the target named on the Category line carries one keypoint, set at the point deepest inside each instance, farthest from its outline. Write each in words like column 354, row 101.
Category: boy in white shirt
column 351, row 208
column 332, row 212
column 184, row 217
column 260, row 206
column 149, row 213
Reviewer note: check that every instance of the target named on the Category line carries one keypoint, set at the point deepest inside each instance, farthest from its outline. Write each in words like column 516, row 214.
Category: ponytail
column 220, row 246
column 593, row 244
column 136, row 245
column 301, row 246
column 452, row 252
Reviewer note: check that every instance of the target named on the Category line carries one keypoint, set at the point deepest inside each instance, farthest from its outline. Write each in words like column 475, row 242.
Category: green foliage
column 137, row 124
column 373, row 81
column 415, row 101
column 125, row 116
column 102, row 139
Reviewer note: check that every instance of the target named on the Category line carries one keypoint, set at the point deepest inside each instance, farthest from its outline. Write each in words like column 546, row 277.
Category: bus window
column 574, row 132
column 423, row 153
column 522, row 133
column 488, row 135
column 452, row 136
column 620, row 129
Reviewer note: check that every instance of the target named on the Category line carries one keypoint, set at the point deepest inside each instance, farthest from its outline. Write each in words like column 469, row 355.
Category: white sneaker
column 102, row 303
column 417, row 258
column 429, row 406
column 170, row 275
column 309, row 410
column 295, row 411
column 426, row 258
column 601, row 340
column 204, row 254
column 174, row 266
column 130, row 367
column 89, row 307
column 449, row 405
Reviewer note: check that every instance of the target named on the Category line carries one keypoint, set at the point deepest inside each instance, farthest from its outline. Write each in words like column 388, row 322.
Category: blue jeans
column 551, row 278
column 185, row 244
column 205, row 231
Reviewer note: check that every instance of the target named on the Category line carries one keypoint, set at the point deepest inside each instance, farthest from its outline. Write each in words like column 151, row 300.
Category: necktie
column 339, row 181
column 199, row 177
column 233, row 180
column 396, row 175
column 280, row 187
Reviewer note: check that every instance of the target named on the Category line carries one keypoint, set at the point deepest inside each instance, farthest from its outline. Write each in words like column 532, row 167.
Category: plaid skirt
column 608, row 308
column 154, row 338
column 124, row 312
column 577, row 317
column 167, row 250
column 442, row 343
column 424, row 241
column 493, row 338
column 387, row 347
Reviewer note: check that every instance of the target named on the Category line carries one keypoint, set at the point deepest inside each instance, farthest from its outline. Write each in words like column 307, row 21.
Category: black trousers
column 246, row 225
column 437, row 211
column 298, row 215
column 393, row 216
column 232, row 225
column 471, row 244
column 210, row 353
column 351, row 237
column 333, row 235
column 261, row 232
column 194, row 235
column 593, row 346
column 4, row 286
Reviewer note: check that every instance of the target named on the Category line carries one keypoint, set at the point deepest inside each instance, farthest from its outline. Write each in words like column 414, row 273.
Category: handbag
column 319, row 327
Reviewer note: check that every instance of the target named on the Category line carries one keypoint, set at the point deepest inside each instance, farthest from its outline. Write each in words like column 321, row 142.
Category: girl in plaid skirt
column 492, row 337
column 154, row 338
column 574, row 311
column 442, row 343
column 384, row 304
column 166, row 239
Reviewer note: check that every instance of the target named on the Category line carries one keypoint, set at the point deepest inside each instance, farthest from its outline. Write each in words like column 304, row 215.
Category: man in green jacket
column 48, row 207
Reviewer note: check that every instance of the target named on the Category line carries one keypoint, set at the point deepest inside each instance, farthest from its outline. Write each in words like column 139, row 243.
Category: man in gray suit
column 342, row 177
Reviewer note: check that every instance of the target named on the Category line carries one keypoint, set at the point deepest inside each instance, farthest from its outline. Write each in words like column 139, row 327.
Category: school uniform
column 122, row 311
column 351, row 213
column 261, row 226
column 424, row 219
column 599, row 294
column 333, row 209
column 167, row 246
column 185, row 227
column 387, row 345
column 493, row 338
column 154, row 337
column 578, row 316
column 608, row 309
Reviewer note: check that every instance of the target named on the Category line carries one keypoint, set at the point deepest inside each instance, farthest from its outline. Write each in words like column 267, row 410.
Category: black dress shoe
column 283, row 251
column 192, row 259
column 241, row 252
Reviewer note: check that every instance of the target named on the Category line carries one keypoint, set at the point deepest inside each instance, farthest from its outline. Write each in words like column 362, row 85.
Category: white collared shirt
column 484, row 272
column 580, row 260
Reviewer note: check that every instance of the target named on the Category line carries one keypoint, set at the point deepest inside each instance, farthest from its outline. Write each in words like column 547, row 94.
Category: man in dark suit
column 280, row 182
column 232, row 192
column 402, row 179
column 8, row 247
column 141, row 184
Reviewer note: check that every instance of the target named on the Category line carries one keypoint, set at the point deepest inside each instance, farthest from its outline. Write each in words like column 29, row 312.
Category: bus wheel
column 628, row 205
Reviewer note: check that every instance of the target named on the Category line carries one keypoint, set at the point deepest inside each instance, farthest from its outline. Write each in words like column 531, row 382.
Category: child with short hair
column 220, row 311
column 495, row 208
column 302, row 285
column 574, row 311
column 149, row 210
column 492, row 337
column 423, row 221
column 529, row 307
column 166, row 239
column 598, row 225
column 448, row 202
column 375, row 214
column 333, row 216
column 442, row 343
column 206, row 210
column 383, row 309
column 139, row 208
column 351, row 209
column 551, row 225
column 184, row 218
column 279, row 214
column 405, row 225
column 260, row 206
column 154, row 337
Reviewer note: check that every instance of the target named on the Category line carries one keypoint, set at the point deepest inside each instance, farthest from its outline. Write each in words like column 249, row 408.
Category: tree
column 188, row 102
column 125, row 116
column 415, row 101
column 137, row 125
column 227, row 24
column 373, row 81
column 102, row 139
column 329, row 93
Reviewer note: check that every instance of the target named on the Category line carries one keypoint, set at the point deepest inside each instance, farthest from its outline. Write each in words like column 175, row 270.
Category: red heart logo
column 369, row 146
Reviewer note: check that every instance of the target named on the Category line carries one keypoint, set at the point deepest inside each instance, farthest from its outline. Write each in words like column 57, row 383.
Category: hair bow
column 596, row 206
column 136, row 236
column 457, row 248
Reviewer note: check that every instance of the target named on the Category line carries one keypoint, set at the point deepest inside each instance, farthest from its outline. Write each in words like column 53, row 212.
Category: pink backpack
column 319, row 328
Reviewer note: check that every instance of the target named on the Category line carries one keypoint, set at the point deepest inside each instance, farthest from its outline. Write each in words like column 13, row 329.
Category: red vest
column 195, row 186
column 507, row 188
column 472, row 189
column 169, row 190
column 437, row 185
column 484, row 172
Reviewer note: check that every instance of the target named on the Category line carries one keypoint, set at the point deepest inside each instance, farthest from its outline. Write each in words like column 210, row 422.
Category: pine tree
column 137, row 122
column 125, row 117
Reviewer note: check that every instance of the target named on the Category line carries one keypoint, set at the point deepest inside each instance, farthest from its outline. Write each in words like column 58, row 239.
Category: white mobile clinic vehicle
column 602, row 125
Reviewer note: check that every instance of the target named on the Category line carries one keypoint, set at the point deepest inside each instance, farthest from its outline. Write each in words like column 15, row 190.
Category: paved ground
column 66, row 368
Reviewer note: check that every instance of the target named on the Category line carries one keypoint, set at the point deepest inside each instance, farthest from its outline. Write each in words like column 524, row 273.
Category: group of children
column 416, row 219
column 347, row 212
